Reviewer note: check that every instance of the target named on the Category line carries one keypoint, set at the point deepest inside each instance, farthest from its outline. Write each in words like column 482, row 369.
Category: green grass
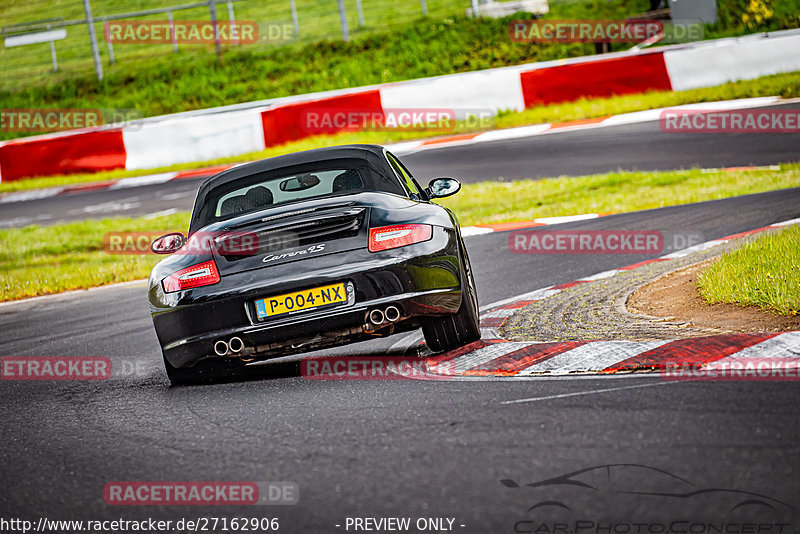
column 37, row 260
column 40, row 260
column 786, row 85
column 764, row 272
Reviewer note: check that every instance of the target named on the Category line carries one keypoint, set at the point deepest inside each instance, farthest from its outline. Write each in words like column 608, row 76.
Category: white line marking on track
column 107, row 207
column 469, row 231
column 787, row 223
column 160, row 213
column 150, row 179
column 33, row 194
column 599, row 276
column 582, row 393
column 24, row 221
column 177, row 196
column 696, row 248
column 514, row 133
column 567, row 218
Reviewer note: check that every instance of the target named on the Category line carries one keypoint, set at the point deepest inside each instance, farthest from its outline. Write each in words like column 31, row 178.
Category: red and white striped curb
column 635, row 117
column 495, row 356
column 492, row 358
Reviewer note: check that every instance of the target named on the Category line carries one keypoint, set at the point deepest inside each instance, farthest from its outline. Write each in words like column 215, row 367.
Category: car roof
column 288, row 160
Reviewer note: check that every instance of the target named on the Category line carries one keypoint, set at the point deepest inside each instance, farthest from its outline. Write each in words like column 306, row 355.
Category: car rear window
column 286, row 188
column 261, row 190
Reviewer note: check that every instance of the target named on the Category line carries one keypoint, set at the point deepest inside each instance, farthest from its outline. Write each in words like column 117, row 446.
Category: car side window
column 405, row 176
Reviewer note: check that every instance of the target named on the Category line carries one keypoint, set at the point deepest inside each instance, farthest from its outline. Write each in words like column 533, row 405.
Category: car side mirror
column 169, row 243
column 442, row 187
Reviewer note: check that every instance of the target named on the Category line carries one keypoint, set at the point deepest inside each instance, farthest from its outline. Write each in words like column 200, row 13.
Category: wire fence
column 48, row 42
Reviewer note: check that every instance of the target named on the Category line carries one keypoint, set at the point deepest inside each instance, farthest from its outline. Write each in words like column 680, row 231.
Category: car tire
column 463, row 327
column 204, row 371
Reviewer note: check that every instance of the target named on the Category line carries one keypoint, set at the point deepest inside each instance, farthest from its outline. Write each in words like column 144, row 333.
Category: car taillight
column 202, row 274
column 387, row 237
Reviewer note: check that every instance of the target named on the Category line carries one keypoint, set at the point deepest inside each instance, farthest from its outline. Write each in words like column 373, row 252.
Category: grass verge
column 40, row 260
column 764, row 272
column 786, row 85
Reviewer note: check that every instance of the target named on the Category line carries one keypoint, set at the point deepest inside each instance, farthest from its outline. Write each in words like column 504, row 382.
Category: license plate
column 308, row 299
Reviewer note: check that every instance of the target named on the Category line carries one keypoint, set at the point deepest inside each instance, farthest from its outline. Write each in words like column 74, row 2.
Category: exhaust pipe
column 221, row 348
column 392, row 313
column 376, row 316
column 236, row 344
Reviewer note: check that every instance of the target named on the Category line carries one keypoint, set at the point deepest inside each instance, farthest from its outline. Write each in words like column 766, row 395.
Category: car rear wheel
column 453, row 331
column 204, row 371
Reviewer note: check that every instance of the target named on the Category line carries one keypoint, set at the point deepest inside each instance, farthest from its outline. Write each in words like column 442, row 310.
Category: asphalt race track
column 408, row 448
column 627, row 147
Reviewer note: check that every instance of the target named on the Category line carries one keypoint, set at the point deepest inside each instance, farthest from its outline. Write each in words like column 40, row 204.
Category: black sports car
column 306, row 251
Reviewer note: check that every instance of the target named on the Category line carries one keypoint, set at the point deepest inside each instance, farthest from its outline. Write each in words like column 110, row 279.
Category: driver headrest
column 349, row 179
column 257, row 197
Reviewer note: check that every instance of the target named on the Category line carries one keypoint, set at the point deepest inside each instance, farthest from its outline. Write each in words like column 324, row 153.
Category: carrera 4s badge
column 310, row 250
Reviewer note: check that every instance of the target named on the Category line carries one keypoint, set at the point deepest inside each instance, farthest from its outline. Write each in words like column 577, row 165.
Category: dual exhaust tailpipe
column 234, row 345
column 390, row 314
column 377, row 317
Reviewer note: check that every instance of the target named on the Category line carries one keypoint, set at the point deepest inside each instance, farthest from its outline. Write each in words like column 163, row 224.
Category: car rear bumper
column 421, row 279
